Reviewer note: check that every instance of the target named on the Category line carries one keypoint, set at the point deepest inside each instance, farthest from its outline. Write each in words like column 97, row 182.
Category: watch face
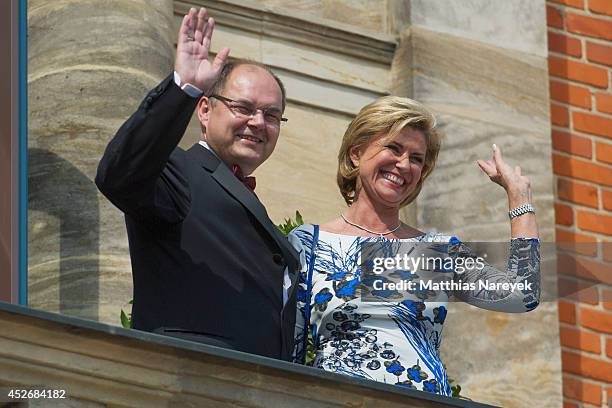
column 192, row 90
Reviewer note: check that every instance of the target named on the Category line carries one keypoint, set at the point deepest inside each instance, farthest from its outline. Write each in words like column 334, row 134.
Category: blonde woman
column 387, row 152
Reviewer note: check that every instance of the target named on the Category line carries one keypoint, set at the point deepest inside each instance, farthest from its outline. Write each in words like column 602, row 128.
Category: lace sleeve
column 515, row 290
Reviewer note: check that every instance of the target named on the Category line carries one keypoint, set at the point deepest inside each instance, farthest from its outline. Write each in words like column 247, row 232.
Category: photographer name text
column 409, row 285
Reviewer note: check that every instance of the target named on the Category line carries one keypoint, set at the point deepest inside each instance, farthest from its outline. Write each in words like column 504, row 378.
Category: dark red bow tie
column 249, row 182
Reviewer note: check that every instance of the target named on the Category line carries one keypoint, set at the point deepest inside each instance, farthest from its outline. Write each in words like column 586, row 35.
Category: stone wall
column 481, row 66
column 377, row 16
column 104, row 366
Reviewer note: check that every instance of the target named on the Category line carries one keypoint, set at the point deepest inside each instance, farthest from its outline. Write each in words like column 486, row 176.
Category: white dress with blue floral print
column 391, row 341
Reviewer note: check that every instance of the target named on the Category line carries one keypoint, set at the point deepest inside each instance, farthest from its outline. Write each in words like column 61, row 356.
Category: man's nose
column 257, row 119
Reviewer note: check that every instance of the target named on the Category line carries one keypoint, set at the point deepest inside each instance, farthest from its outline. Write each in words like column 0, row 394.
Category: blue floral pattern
column 394, row 340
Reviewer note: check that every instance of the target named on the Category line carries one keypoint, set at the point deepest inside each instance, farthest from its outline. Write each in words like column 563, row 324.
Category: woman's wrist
column 518, row 198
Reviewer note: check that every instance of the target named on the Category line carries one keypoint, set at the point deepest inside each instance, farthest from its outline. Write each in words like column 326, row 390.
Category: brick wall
column 580, row 61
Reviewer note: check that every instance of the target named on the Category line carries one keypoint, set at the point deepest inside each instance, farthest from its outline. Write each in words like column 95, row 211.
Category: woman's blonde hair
column 386, row 117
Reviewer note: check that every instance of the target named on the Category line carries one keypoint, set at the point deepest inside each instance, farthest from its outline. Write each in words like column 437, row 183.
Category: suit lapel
column 236, row 189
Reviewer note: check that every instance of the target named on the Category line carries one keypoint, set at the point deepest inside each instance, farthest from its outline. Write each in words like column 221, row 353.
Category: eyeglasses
column 242, row 110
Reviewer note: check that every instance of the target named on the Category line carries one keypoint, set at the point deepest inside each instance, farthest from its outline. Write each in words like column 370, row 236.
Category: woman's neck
column 378, row 218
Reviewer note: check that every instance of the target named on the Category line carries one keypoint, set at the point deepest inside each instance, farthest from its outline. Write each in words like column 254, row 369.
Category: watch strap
column 520, row 210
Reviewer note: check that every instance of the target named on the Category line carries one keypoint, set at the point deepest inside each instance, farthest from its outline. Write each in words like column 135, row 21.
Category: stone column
column 482, row 68
column 90, row 64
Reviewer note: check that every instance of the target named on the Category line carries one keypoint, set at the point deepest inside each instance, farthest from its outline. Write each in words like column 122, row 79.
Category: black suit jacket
column 207, row 262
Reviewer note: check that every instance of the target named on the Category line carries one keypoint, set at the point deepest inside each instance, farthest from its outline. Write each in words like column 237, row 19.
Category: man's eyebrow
column 272, row 108
column 241, row 100
column 268, row 108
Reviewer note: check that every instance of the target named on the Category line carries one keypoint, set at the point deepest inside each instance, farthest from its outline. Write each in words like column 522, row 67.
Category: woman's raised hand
column 516, row 185
column 192, row 50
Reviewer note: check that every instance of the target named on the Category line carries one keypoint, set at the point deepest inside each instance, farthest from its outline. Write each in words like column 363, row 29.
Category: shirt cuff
column 189, row 89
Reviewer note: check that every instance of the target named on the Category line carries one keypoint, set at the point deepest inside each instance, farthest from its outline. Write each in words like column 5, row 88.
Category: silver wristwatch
column 520, row 210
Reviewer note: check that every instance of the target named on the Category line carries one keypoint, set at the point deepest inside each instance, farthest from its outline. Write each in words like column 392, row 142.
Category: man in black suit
column 208, row 264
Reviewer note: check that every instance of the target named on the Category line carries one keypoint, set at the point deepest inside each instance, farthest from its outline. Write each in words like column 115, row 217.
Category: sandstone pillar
column 90, row 63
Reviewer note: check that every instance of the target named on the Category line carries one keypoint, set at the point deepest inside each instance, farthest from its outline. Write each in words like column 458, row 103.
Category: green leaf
column 311, row 352
column 455, row 389
column 125, row 320
column 289, row 225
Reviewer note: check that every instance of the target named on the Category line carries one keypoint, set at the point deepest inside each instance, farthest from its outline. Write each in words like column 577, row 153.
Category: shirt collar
column 203, row 143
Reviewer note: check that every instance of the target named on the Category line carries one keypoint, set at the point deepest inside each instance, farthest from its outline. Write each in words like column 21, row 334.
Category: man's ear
column 355, row 154
column 204, row 107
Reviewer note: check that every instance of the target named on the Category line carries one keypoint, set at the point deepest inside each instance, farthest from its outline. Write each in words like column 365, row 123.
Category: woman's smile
column 394, row 179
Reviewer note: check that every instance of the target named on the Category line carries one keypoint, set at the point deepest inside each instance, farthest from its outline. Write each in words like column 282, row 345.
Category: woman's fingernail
column 494, row 147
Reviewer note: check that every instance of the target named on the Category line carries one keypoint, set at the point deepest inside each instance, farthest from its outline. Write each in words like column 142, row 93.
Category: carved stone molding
column 314, row 31
column 324, row 64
